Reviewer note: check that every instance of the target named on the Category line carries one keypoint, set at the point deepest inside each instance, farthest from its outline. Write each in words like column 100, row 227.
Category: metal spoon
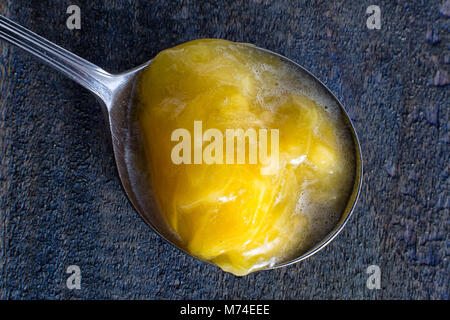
column 116, row 94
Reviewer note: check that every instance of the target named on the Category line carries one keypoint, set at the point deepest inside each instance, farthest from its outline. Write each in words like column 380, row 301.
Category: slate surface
column 62, row 203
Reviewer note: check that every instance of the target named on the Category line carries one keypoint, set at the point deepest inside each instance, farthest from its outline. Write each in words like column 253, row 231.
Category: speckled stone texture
column 62, row 202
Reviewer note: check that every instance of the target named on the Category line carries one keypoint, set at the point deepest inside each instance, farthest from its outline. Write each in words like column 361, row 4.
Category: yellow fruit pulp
column 232, row 215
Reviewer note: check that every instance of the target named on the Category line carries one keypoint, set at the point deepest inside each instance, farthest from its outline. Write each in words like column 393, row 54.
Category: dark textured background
column 62, row 202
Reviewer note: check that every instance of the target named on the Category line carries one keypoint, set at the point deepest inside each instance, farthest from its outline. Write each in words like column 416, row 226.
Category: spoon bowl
column 117, row 95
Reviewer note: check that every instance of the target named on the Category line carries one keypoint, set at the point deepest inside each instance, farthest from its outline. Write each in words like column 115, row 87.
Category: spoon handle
column 90, row 76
